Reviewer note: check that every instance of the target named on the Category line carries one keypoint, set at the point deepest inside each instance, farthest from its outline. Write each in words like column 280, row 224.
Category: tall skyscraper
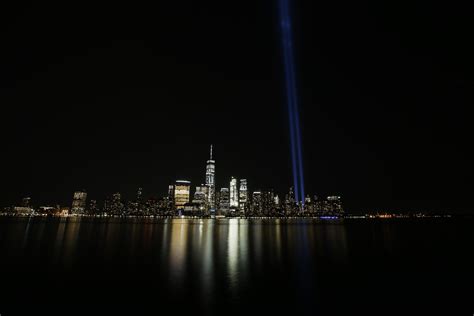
column 117, row 205
column 234, row 194
column 171, row 193
column 268, row 203
column 224, row 201
column 243, row 195
column 257, row 203
column 79, row 202
column 181, row 193
column 200, row 196
column 113, row 205
column 211, row 181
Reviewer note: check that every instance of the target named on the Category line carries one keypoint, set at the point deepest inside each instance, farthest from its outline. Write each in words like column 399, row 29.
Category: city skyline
column 185, row 198
column 233, row 199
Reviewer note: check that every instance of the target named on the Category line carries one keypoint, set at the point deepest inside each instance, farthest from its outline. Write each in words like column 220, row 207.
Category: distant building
column 152, row 207
column 79, row 202
column 268, row 203
column 211, row 181
column 257, row 203
column 334, row 206
column 136, row 208
column 63, row 211
column 243, row 196
column 171, row 193
column 93, row 209
column 48, row 210
column 117, row 205
column 192, row 209
column 277, row 200
column 113, row 205
column 201, row 197
column 233, row 194
column 291, row 207
column 181, row 193
column 23, row 210
column 224, row 201
column 139, row 199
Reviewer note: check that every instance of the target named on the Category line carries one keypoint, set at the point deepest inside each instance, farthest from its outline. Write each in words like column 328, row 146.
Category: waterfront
column 234, row 266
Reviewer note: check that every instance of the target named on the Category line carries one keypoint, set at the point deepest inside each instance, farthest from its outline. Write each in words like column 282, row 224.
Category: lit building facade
column 211, row 181
column 334, row 206
column 233, row 194
column 113, row 205
column 79, row 200
column 257, row 203
column 243, row 196
column 224, row 201
column 201, row 197
column 171, row 192
column 268, row 203
column 181, row 193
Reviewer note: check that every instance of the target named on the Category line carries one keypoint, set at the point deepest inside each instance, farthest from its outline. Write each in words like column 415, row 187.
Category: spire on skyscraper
column 210, row 180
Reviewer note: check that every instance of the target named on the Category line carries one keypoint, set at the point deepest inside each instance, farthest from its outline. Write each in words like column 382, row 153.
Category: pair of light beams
column 292, row 99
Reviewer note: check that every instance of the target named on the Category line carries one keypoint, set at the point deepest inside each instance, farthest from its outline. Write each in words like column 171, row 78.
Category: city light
column 205, row 201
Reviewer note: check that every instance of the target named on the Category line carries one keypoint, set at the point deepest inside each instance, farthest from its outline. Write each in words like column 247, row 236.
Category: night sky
column 115, row 96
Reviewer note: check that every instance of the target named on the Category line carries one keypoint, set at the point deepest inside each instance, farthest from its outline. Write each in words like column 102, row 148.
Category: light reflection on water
column 225, row 265
column 202, row 242
column 210, row 260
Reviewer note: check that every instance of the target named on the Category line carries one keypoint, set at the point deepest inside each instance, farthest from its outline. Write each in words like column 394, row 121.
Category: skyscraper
column 234, row 194
column 79, row 202
column 113, row 205
column 181, row 193
column 243, row 196
column 201, row 196
column 169, row 200
column 211, row 181
column 257, row 203
column 224, row 201
column 171, row 192
column 268, row 203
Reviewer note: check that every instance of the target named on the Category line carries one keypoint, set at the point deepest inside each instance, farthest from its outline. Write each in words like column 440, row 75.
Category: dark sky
column 113, row 96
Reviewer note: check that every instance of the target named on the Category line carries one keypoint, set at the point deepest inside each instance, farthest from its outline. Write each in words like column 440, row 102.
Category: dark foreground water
column 175, row 266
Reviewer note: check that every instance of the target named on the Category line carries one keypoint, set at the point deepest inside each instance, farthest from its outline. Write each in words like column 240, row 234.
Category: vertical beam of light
column 292, row 99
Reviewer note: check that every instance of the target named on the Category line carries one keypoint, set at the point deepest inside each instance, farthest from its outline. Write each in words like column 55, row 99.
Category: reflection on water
column 182, row 246
column 211, row 262
column 178, row 251
column 207, row 267
column 226, row 266
column 234, row 266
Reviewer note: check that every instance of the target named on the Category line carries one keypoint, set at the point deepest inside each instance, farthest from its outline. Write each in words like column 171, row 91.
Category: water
column 236, row 266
